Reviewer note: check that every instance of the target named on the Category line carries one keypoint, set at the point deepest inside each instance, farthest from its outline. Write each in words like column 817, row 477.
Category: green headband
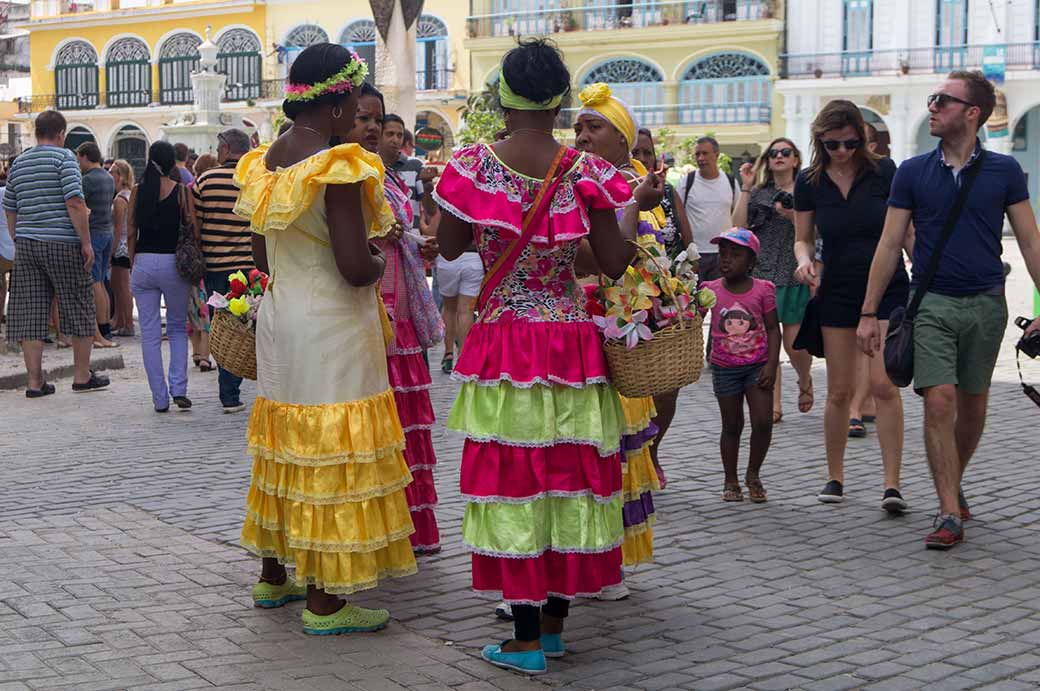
column 513, row 101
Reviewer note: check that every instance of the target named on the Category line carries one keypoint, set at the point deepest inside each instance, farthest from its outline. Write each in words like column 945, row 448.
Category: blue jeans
column 230, row 385
column 155, row 276
column 102, row 268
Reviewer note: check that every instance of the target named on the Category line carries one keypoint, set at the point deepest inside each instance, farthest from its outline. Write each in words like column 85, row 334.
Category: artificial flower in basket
column 651, row 322
column 233, row 333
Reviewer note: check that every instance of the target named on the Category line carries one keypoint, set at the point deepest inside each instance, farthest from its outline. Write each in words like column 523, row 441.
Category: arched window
column 724, row 88
column 178, row 58
column 76, row 76
column 857, row 37
column 637, row 83
column 431, row 54
column 130, row 143
column 360, row 37
column 128, row 74
column 301, row 37
column 239, row 58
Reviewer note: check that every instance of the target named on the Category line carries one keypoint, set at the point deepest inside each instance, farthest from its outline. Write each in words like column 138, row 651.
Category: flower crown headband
column 343, row 82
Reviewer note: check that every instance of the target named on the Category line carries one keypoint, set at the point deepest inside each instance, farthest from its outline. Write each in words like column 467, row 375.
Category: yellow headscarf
column 597, row 98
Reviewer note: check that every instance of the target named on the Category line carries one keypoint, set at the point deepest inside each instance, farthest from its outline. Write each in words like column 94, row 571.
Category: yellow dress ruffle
column 272, row 200
column 327, row 491
column 638, row 477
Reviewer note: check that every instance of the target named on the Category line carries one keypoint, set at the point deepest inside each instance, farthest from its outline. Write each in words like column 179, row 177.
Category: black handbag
column 899, row 343
column 188, row 258
column 810, row 332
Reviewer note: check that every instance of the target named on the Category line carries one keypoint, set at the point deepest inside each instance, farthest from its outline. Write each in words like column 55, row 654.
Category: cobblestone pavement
column 119, row 566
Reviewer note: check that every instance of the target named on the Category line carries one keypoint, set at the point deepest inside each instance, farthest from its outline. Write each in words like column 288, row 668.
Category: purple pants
column 155, row 276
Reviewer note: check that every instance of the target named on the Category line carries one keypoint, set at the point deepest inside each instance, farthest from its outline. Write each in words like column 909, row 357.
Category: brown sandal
column 806, row 399
column 756, row 490
column 732, row 493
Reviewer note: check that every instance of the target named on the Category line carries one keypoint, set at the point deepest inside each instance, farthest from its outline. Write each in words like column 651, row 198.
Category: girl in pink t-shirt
column 745, row 353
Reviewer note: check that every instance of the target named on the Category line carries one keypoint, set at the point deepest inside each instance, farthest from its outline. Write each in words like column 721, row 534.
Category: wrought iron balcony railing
column 937, row 59
column 531, row 17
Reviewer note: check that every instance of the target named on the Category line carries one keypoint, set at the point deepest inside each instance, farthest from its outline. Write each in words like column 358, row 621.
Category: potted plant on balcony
column 568, row 20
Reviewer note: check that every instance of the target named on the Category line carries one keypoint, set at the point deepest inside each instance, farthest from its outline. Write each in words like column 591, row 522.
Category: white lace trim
column 417, row 428
column 530, row 384
column 392, row 349
column 410, row 389
column 558, row 494
column 534, row 555
column 603, row 453
column 421, row 507
column 498, row 595
column 499, row 223
column 422, row 466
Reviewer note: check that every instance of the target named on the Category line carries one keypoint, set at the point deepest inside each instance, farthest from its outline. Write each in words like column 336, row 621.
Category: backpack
column 689, row 186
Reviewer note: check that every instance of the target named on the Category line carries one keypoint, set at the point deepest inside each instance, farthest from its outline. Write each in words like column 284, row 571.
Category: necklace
column 311, row 129
column 530, row 130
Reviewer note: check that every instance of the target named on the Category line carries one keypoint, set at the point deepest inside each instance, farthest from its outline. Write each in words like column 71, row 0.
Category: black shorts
column 841, row 303
column 42, row 271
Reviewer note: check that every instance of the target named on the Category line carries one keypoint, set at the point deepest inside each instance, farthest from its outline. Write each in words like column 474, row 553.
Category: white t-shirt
column 709, row 208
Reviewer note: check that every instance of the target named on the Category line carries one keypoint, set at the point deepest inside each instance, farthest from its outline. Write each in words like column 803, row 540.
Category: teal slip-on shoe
column 552, row 645
column 528, row 662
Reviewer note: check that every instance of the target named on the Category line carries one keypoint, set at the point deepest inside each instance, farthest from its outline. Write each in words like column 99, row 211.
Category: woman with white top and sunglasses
column 766, row 207
column 843, row 194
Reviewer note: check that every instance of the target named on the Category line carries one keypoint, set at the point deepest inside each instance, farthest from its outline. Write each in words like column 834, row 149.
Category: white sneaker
column 228, row 409
column 504, row 611
column 618, row 591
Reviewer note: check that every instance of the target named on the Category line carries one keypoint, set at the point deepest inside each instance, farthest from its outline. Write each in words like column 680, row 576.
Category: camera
column 786, row 199
column 1030, row 345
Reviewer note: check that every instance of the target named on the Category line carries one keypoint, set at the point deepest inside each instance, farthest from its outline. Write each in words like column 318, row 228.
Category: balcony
column 268, row 90
column 491, row 18
column 931, row 60
column 754, row 111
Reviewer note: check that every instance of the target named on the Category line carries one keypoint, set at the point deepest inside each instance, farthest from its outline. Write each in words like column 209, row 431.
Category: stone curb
column 97, row 363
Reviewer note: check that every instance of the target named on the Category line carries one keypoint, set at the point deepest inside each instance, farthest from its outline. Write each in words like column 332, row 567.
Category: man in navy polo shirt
column 961, row 322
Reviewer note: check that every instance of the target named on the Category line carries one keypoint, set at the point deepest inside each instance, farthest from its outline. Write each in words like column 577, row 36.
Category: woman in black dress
column 844, row 195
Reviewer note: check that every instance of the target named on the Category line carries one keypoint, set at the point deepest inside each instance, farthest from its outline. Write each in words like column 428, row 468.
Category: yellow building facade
column 691, row 66
column 121, row 69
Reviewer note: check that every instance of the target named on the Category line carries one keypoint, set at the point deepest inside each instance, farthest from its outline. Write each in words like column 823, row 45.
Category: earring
column 337, row 112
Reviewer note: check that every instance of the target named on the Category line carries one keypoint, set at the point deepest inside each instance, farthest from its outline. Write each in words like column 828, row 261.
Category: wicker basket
column 233, row 345
column 672, row 359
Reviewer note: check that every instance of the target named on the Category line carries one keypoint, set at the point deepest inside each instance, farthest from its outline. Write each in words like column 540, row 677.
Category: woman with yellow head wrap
column 605, row 126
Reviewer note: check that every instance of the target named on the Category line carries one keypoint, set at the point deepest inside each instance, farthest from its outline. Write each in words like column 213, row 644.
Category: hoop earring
column 337, row 112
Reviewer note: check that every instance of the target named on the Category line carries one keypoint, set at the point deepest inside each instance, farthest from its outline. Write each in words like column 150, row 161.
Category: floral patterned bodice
column 542, row 285
column 477, row 187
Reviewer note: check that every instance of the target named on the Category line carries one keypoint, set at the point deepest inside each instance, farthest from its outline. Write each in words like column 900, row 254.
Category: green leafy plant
column 482, row 117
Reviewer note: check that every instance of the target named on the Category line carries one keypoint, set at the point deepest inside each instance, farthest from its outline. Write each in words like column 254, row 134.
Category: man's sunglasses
column 850, row 144
column 941, row 100
column 786, row 152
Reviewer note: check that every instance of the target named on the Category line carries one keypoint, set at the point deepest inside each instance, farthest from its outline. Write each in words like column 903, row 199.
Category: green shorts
column 957, row 340
column 791, row 302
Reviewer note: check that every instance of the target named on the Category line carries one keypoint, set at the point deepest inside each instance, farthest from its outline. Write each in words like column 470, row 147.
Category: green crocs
column 269, row 595
column 349, row 619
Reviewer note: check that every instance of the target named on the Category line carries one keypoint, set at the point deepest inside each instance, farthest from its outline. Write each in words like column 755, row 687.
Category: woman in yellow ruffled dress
column 328, row 479
column 605, row 126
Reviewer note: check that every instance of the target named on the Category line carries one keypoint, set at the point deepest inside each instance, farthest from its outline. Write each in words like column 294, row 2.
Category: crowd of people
column 558, row 470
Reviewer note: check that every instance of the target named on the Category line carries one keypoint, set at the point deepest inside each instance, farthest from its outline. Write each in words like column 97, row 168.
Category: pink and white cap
column 739, row 236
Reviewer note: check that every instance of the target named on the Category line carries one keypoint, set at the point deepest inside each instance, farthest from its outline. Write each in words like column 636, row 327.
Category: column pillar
column 395, row 67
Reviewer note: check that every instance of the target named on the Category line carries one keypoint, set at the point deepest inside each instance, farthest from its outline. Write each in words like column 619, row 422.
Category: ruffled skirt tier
column 328, row 492
column 410, row 380
column 639, row 480
column 541, row 467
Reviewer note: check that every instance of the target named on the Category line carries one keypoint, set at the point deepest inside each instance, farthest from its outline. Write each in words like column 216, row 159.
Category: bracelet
column 744, row 189
column 868, row 315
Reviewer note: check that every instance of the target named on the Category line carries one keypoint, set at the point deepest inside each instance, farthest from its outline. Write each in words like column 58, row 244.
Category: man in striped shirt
column 226, row 238
column 47, row 217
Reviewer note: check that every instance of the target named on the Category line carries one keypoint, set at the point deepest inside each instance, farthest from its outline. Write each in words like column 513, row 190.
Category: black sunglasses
column 941, row 100
column 786, row 152
column 850, row 144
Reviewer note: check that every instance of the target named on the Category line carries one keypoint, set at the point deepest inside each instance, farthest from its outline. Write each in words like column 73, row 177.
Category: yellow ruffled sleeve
column 272, row 200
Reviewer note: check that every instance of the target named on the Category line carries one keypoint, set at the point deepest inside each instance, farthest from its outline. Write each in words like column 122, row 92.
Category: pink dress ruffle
column 493, row 471
column 532, row 580
column 525, row 353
